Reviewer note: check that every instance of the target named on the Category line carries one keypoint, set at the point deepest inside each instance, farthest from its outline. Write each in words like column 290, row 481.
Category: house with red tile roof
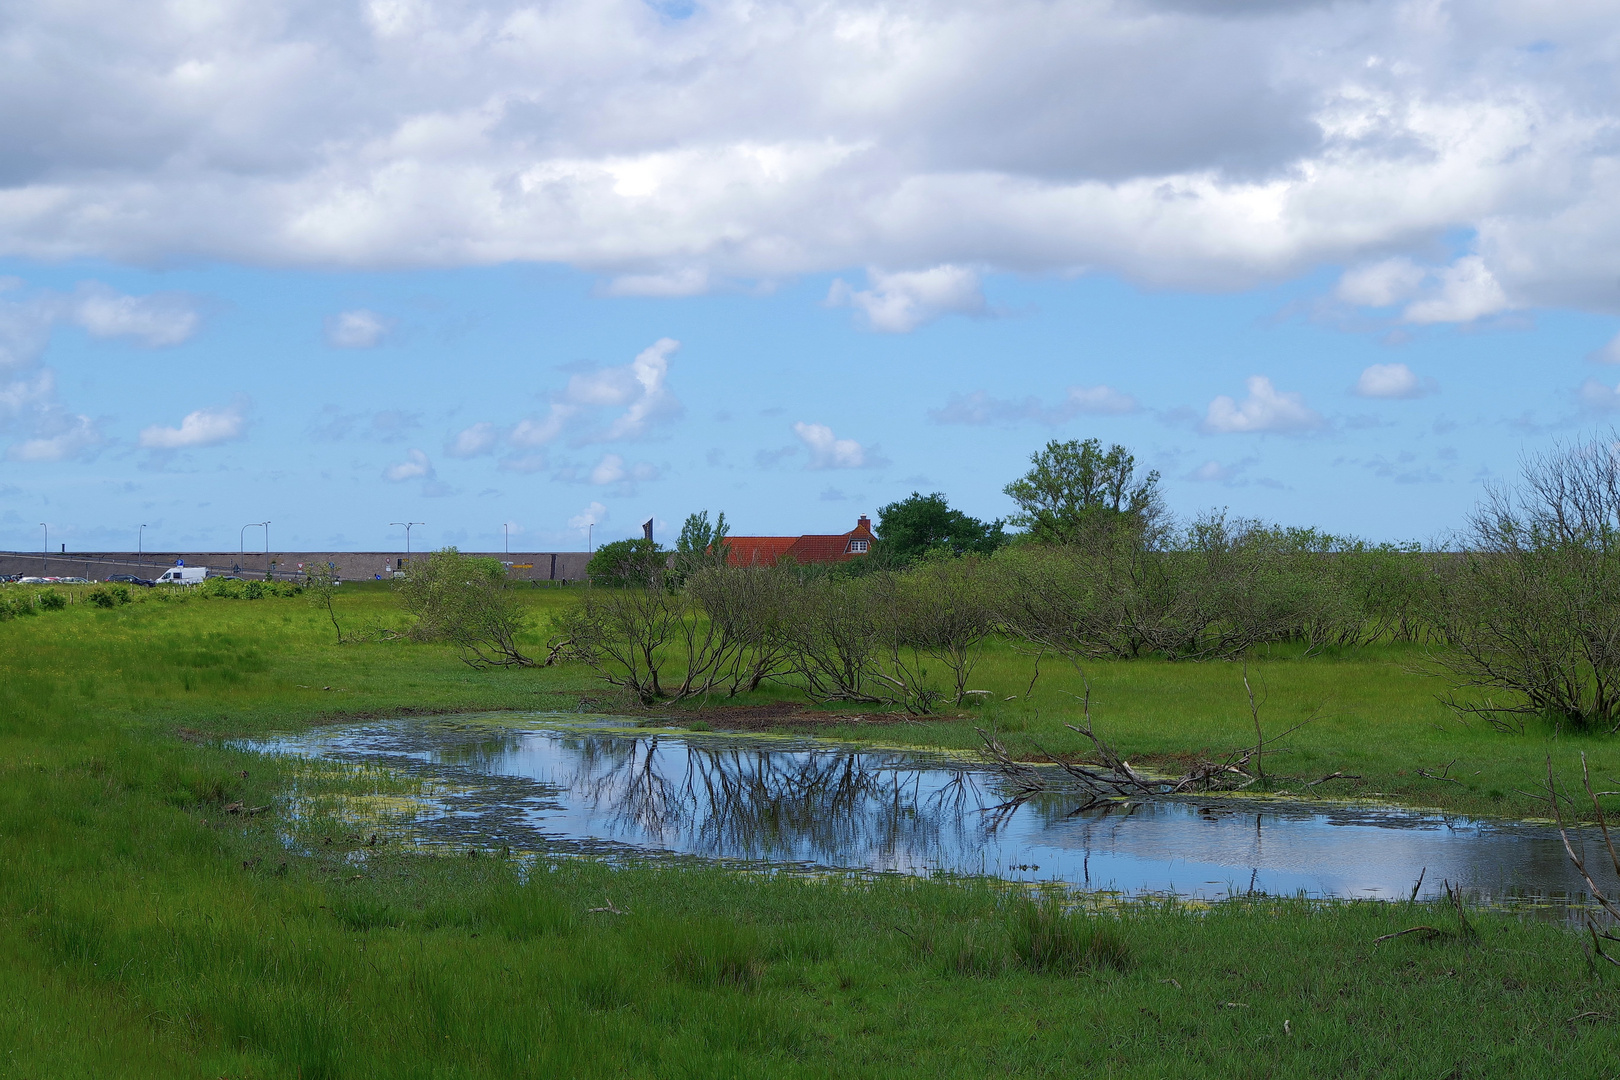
column 811, row 548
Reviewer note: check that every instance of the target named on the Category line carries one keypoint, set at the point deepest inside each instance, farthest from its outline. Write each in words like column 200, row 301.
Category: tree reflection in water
column 821, row 805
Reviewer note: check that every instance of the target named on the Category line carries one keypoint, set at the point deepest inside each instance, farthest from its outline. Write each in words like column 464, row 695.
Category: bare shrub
column 1532, row 607
column 621, row 634
column 945, row 609
column 753, row 606
column 834, row 641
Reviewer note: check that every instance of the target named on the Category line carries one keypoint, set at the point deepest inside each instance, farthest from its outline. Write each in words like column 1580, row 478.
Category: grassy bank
column 146, row 931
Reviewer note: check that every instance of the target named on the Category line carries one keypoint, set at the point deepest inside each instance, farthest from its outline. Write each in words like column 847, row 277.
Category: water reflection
column 814, row 804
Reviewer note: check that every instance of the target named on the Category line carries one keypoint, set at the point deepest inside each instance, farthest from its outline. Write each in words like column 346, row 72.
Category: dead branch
column 1429, row 932
column 1441, row 775
column 1606, row 936
column 1612, row 906
column 1026, row 781
column 1334, row 776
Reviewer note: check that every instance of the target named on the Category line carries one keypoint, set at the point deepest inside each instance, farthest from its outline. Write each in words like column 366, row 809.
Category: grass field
column 144, row 931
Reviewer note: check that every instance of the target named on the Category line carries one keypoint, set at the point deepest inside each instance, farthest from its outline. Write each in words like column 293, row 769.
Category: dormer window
column 857, row 547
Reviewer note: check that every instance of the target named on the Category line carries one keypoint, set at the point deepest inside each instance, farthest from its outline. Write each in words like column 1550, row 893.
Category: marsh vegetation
column 165, row 913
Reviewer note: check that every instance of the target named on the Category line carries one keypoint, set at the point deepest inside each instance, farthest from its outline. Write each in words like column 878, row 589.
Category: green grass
column 145, row 931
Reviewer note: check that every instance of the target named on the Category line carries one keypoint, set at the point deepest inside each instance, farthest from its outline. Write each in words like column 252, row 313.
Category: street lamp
column 507, row 527
column 45, row 552
column 407, row 525
column 140, row 540
column 590, row 533
column 267, row 574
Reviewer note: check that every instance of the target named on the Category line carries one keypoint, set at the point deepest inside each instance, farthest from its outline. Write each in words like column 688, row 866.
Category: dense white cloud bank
column 1189, row 144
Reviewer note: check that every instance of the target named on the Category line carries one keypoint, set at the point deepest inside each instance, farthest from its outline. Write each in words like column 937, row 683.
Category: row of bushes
column 30, row 603
column 1213, row 591
column 1525, row 619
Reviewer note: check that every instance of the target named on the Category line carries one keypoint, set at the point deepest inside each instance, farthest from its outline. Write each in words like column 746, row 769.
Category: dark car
column 130, row 579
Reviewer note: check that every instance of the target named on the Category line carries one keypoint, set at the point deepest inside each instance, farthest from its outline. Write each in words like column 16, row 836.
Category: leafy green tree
column 467, row 602
column 921, row 523
column 627, row 562
column 1076, row 490
column 701, row 544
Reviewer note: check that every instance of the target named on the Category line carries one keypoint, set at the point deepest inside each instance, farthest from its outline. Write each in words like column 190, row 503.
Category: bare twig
column 1429, row 932
column 1418, row 884
column 1441, row 775
column 1455, row 894
column 1591, row 929
column 1334, row 776
column 1612, row 906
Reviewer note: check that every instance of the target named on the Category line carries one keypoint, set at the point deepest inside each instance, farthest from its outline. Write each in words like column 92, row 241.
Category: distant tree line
column 1521, row 613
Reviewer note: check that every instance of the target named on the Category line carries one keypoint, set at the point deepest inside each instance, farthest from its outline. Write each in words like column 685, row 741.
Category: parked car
column 71, row 580
column 33, row 581
column 129, row 579
column 10, row 578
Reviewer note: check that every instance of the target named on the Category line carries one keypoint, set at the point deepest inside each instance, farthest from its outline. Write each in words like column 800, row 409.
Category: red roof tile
column 811, row 548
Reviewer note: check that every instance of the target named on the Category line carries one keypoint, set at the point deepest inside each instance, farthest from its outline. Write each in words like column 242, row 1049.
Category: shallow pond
column 558, row 783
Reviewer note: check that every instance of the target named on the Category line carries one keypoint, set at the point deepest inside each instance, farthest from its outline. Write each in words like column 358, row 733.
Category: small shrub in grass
column 104, row 596
column 1046, row 937
column 51, row 600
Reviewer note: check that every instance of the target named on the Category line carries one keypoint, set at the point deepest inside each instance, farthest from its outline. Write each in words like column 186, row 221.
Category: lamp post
column 45, row 551
column 140, row 540
column 407, row 525
column 267, row 574
column 507, row 528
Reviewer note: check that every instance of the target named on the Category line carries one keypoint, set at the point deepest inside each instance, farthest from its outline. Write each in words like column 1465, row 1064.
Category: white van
column 183, row 575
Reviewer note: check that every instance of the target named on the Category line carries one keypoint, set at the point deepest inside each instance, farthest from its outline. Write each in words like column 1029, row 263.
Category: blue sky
column 488, row 263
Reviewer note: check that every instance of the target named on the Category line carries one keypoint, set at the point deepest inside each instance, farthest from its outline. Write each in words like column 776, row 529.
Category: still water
column 557, row 783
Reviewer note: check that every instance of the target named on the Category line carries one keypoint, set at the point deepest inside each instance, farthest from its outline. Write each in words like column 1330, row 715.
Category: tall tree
column 1076, row 488
column 923, row 523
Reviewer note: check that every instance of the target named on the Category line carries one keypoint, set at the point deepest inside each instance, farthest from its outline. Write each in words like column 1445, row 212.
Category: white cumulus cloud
column 1608, row 354
column 204, row 427
column 1392, row 381
column 357, row 329
column 157, row 320
column 827, row 451
column 416, row 466
column 1381, row 284
column 593, row 514
column 1181, row 143
column 1467, row 291
column 29, row 402
column 480, row 438
column 71, row 437
column 900, row 302
column 1266, row 409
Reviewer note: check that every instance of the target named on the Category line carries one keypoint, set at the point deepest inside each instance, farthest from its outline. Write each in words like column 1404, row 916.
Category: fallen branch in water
column 1609, row 904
